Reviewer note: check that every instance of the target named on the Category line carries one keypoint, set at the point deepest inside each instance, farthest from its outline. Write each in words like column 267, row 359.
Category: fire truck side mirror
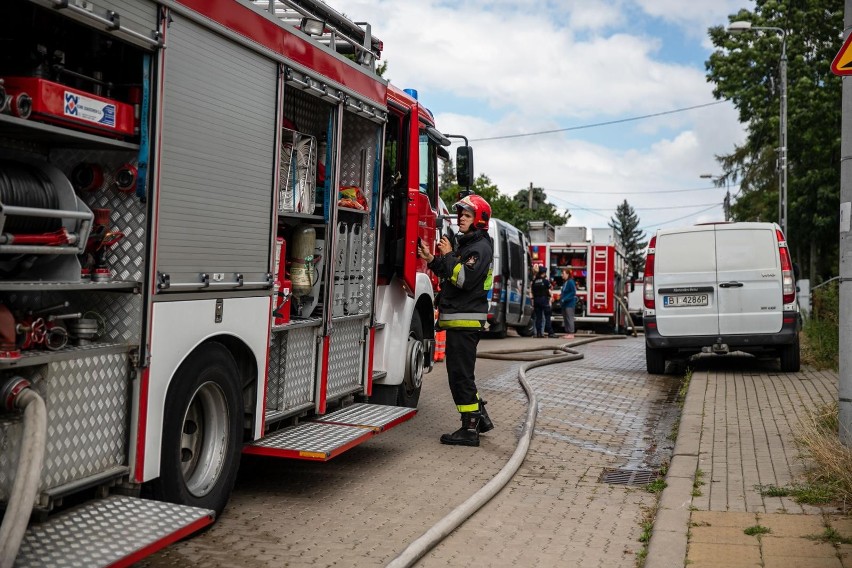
column 464, row 166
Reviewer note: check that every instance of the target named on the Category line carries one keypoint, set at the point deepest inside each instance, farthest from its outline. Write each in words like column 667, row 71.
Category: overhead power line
column 597, row 124
column 644, row 192
column 679, row 218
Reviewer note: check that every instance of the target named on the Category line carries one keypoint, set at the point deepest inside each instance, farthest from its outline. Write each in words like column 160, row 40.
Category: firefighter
column 541, row 303
column 463, row 306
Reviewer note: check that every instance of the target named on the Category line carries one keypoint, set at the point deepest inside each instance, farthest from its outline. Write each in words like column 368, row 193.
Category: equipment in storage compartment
column 75, row 74
column 85, row 215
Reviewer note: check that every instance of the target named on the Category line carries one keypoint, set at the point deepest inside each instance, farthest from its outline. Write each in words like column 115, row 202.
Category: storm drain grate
column 628, row 476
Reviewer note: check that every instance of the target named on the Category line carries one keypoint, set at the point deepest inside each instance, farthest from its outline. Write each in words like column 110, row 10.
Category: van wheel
column 526, row 330
column 655, row 361
column 202, row 431
column 790, row 357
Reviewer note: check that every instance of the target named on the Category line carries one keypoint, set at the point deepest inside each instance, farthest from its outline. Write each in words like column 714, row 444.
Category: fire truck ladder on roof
column 600, row 276
column 332, row 434
column 338, row 32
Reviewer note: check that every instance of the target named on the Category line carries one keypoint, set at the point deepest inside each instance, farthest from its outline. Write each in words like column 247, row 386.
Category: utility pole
column 845, row 343
column 529, row 198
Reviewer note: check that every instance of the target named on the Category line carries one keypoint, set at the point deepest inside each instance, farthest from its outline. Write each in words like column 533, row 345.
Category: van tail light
column 788, row 287
column 497, row 285
column 648, row 286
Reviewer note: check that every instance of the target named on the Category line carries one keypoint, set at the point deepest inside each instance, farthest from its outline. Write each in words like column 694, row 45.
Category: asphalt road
column 600, row 416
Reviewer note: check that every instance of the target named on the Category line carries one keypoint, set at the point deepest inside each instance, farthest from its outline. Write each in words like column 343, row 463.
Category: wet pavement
column 597, row 415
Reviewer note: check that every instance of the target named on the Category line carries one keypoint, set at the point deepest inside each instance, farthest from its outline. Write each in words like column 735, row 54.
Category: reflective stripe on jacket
column 466, row 279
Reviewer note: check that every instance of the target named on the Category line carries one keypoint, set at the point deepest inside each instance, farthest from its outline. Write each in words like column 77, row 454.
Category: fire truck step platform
column 331, row 434
column 115, row 531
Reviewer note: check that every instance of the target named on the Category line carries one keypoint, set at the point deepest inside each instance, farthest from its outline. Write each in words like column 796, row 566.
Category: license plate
column 685, row 300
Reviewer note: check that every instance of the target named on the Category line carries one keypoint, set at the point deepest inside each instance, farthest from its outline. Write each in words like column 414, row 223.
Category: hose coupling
column 10, row 390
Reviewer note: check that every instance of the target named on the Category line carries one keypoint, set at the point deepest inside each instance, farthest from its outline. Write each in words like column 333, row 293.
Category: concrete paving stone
column 720, row 535
column 723, row 519
column 797, row 526
column 841, row 524
column 794, row 562
column 773, row 546
column 712, row 564
column 723, row 553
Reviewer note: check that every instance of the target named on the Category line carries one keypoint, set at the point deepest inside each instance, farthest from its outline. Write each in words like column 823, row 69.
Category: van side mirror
column 464, row 166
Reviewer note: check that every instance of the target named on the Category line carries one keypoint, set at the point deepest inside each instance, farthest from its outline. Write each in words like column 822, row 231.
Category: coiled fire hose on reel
column 17, row 394
column 443, row 528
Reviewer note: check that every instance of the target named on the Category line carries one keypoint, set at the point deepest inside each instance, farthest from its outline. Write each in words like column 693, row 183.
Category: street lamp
column 726, row 203
column 743, row 26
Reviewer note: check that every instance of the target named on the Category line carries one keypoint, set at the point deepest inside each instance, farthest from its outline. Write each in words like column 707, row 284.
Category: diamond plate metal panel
column 346, row 356
column 312, row 437
column 125, row 258
column 87, row 401
column 292, row 369
column 357, row 160
column 105, row 531
column 375, row 416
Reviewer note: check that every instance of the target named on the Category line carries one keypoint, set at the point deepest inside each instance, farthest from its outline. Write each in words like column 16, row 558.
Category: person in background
column 466, row 278
column 541, row 303
column 568, row 301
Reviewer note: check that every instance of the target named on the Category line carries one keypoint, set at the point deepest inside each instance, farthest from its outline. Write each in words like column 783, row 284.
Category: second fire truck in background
column 597, row 261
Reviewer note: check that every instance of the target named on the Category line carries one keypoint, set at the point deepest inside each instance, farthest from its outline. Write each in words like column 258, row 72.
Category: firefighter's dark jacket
column 466, row 281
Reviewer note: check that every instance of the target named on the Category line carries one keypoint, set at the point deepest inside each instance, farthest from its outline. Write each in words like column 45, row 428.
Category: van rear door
column 749, row 274
column 685, row 282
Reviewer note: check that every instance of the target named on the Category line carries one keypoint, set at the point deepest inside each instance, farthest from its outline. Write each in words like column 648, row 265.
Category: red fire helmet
column 479, row 207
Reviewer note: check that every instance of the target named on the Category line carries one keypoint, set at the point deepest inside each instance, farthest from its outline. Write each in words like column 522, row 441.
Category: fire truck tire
column 406, row 393
column 202, row 430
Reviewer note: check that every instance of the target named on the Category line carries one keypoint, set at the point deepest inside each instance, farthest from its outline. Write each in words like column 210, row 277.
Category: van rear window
column 685, row 252
column 746, row 249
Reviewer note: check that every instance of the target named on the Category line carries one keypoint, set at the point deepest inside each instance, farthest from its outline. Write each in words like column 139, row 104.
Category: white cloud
column 520, row 66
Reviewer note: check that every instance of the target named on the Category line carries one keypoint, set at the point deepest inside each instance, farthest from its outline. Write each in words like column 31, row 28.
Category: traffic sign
column 842, row 64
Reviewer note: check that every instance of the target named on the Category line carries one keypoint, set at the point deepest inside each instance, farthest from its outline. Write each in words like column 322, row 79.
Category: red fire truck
column 599, row 267
column 209, row 213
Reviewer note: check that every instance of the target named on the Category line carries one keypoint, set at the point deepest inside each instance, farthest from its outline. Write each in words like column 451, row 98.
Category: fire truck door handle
column 731, row 285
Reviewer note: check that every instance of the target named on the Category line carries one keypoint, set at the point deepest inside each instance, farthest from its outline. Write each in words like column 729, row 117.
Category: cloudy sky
column 497, row 68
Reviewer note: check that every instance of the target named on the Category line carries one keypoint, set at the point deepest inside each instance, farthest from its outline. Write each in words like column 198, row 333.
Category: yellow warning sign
column 842, row 64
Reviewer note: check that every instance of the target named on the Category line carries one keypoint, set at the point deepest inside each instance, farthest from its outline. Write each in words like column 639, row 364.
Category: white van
column 719, row 288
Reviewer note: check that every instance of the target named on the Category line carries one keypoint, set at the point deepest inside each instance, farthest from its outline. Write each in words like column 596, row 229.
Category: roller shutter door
column 216, row 159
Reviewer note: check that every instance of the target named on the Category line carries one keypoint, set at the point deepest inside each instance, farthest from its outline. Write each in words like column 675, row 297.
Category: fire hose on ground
column 17, row 394
column 460, row 514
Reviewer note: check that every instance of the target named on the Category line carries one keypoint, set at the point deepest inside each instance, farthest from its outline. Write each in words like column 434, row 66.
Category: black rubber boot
column 468, row 434
column 485, row 424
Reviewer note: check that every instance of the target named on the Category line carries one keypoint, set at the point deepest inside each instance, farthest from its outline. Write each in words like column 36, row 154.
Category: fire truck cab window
column 428, row 167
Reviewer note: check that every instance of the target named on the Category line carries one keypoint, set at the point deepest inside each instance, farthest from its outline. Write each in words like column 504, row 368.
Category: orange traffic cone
column 440, row 345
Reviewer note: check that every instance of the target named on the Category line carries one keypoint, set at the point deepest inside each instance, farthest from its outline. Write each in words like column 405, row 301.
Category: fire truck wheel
column 408, row 392
column 201, row 431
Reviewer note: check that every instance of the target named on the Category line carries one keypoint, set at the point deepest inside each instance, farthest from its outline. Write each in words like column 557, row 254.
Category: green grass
column 830, row 535
column 821, row 337
column 804, row 493
column 757, row 530
column 656, row 486
column 697, row 483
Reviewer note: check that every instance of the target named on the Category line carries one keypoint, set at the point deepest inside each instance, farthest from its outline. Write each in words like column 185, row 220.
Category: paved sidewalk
column 736, row 436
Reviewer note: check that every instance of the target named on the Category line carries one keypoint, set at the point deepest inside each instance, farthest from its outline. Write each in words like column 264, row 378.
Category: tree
column 745, row 69
column 513, row 210
column 626, row 223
